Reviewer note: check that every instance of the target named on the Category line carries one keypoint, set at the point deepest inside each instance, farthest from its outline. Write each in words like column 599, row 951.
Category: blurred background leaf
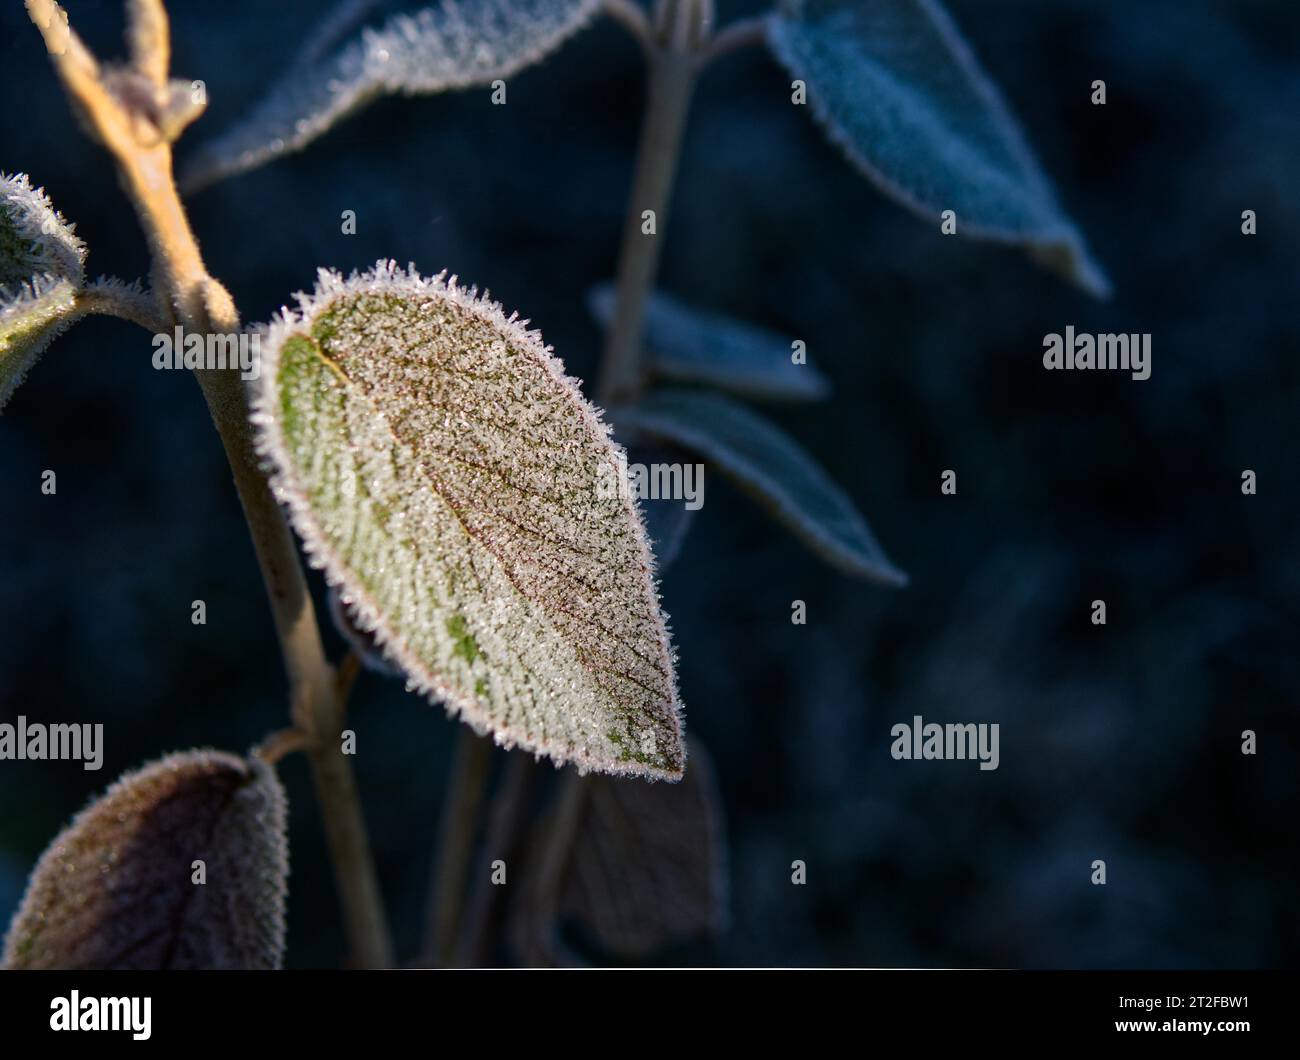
column 442, row 46
column 696, row 346
column 771, row 467
column 117, row 888
column 649, row 864
column 897, row 88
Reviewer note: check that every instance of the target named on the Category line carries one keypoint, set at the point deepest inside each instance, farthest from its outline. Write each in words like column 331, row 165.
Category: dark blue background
column 1121, row 743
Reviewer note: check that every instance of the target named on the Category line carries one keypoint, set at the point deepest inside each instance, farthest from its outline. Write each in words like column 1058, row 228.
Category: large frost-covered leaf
column 116, row 889
column 898, row 89
column 649, row 866
column 463, row 496
column 41, row 271
column 694, row 346
column 772, row 468
column 453, row 44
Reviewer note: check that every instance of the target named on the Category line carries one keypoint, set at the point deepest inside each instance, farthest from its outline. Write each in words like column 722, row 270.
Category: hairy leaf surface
column 694, row 346
column 453, row 44
column 463, row 496
column 41, row 271
column 772, row 468
column 115, row 889
column 895, row 86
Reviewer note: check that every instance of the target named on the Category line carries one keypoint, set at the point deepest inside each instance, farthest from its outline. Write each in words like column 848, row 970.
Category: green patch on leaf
column 17, row 263
column 466, row 645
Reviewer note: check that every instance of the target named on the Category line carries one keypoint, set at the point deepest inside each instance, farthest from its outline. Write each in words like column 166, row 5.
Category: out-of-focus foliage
column 181, row 864
column 897, row 88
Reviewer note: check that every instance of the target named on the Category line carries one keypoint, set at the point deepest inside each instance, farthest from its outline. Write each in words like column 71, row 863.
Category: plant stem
column 672, row 80
column 123, row 303
column 502, row 838
column 469, row 775
column 315, row 704
column 631, row 16
column 540, row 942
column 136, row 130
column 746, row 33
column 354, row 868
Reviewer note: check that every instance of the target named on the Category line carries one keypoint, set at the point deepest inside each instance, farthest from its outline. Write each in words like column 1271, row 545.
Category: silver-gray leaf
column 691, row 345
column 649, row 864
column 771, row 467
column 897, row 88
column 454, row 44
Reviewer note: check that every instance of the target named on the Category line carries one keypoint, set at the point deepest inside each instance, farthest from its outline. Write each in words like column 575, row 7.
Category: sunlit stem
column 128, row 111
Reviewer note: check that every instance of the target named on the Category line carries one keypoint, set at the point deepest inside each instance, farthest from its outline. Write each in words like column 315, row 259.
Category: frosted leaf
column 462, row 496
column 690, row 345
column 330, row 30
column 41, row 271
column 895, row 86
column 772, row 468
column 115, row 889
column 31, row 317
column 649, row 866
column 35, row 240
column 454, row 44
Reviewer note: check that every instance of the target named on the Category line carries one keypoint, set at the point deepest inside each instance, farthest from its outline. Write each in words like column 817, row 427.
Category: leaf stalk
column 681, row 28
